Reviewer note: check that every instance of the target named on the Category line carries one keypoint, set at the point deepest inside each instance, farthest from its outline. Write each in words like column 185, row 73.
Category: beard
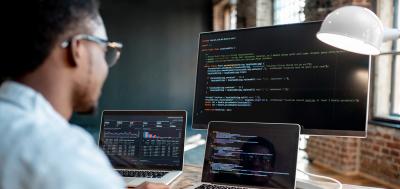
column 89, row 94
column 91, row 110
column 86, row 104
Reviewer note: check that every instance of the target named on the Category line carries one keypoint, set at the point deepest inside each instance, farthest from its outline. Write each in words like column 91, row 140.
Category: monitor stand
column 302, row 183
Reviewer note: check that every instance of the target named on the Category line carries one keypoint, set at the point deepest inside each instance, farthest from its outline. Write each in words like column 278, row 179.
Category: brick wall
column 376, row 157
column 380, row 155
column 336, row 153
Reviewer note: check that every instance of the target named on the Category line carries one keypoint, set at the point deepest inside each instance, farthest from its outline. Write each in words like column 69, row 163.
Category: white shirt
column 39, row 149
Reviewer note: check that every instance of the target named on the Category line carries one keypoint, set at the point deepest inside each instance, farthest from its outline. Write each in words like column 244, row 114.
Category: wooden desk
column 192, row 175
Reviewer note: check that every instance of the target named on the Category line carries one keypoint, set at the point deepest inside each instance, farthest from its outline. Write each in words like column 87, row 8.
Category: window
column 396, row 88
column 288, row 11
column 230, row 16
column 225, row 15
column 386, row 101
column 395, row 109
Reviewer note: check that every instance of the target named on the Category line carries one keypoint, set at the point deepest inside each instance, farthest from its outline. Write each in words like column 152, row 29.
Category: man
column 61, row 68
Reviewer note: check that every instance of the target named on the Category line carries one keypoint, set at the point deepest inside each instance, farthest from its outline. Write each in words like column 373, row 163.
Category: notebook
column 250, row 155
column 144, row 145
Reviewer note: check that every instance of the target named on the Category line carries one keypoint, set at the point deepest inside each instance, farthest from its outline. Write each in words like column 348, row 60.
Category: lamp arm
column 390, row 34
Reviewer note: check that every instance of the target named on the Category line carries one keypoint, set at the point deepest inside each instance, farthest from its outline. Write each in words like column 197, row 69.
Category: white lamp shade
column 354, row 29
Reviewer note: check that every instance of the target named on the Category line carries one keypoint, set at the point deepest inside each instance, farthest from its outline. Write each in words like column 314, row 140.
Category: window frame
column 393, row 119
column 393, row 87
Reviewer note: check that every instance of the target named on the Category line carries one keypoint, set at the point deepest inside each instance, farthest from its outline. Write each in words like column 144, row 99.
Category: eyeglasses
column 113, row 49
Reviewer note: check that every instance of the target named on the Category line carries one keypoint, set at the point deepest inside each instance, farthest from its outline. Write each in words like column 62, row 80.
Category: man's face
column 93, row 70
column 259, row 162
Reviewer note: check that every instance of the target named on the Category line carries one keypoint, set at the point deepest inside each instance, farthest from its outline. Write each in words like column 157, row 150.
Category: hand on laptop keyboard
column 148, row 185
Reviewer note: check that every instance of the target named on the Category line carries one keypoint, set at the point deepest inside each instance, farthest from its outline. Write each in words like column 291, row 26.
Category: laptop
column 144, row 146
column 250, row 155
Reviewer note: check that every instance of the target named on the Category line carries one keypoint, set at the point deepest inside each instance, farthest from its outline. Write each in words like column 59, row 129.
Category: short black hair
column 43, row 22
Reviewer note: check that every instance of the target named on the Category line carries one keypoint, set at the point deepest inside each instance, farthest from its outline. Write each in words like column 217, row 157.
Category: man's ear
column 76, row 53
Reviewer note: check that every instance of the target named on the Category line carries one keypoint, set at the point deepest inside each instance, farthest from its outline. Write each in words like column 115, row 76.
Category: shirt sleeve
column 72, row 160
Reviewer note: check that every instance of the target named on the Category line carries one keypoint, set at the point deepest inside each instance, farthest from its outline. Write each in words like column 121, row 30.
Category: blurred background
column 158, row 64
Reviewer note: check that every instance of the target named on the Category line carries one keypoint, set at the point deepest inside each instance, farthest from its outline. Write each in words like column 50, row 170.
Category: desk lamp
column 355, row 29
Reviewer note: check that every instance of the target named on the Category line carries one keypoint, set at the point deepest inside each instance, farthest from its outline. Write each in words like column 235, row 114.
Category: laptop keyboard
column 144, row 174
column 212, row 186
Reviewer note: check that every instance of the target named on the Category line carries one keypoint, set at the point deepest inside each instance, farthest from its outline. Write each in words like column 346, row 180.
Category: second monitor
column 281, row 74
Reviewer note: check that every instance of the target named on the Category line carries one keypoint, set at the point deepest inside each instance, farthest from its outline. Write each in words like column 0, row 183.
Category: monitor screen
column 251, row 154
column 143, row 139
column 281, row 74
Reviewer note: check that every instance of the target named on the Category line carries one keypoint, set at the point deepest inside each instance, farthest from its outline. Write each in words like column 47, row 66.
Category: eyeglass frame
column 108, row 44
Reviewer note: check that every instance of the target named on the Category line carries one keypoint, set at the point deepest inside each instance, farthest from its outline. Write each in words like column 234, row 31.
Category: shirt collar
column 26, row 98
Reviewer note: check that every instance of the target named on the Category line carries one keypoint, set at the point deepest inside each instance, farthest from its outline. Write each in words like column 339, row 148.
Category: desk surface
column 192, row 175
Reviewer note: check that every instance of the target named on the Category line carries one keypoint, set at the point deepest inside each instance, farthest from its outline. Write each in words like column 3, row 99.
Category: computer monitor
column 281, row 74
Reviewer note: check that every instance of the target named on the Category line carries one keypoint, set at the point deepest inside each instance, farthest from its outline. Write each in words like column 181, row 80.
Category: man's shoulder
column 40, row 149
column 24, row 132
column 31, row 124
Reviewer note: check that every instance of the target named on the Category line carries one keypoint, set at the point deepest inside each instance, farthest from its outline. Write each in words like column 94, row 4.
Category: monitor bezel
column 310, row 132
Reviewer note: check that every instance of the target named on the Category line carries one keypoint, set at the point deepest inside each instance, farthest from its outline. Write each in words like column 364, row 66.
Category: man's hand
column 148, row 185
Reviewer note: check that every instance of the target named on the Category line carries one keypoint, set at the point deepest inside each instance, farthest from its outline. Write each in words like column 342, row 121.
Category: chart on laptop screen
column 140, row 141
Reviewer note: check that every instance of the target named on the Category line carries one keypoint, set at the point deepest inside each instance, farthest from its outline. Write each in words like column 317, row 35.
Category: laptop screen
column 251, row 154
column 144, row 139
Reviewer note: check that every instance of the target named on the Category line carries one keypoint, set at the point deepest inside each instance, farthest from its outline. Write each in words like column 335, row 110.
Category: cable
column 323, row 177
